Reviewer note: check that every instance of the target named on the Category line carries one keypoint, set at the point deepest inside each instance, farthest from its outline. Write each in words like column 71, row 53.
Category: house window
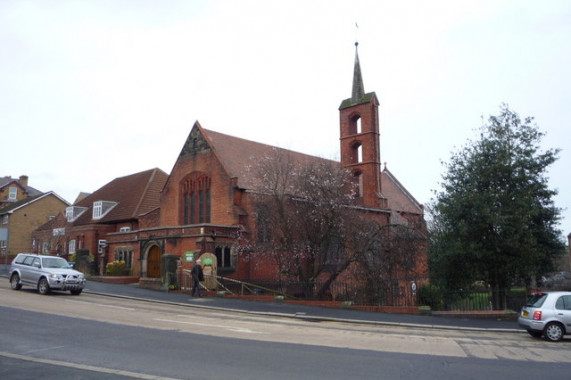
column 125, row 254
column 224, row 257
column 97, row 209
column 5, row 218
column 196, row 199
column 71, row 247
column 3, row 243
column 46, row 248
column 13, row 193
column 58, row 231
column 101, row 208
column 73, row 212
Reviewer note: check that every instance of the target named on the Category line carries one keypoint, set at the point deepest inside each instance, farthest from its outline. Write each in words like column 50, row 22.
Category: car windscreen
column 536, row 300
column 54, row 262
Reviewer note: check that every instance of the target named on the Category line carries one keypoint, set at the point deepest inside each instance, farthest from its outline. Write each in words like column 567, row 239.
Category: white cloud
column 98, row 90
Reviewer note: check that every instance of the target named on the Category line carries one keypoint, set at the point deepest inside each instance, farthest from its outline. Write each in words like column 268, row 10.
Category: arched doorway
column 154, row 262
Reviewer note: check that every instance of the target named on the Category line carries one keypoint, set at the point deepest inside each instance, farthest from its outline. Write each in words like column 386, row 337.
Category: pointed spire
column 358, row 87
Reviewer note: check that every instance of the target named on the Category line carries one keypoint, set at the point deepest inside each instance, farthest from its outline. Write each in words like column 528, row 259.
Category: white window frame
column 13, row 193
column 71, row 247
column 74, row 212
column 58, row 231
column 97, row 209
column 101, row 208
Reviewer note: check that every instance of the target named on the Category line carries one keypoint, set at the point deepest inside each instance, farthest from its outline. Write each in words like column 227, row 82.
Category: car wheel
column 535, row 334
column 553, row 332
column 43, row 286
column 76, row 292
column 15, row 282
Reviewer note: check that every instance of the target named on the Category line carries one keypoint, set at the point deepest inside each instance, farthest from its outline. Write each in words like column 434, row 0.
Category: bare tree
column 392, row 260
column 308, row 225
column 303, row 219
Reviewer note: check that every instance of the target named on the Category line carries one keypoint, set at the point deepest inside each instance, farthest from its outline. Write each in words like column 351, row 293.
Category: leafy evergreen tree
column 495, row 219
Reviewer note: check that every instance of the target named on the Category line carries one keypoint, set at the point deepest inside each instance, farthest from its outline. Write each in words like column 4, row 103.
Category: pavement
column 297, row 311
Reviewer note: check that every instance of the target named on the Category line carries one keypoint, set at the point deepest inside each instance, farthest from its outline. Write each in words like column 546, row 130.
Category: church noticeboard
column 189, row 256
column 207, row 261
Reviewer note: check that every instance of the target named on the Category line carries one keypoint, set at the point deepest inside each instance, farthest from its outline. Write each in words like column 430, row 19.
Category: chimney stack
column 24, row 180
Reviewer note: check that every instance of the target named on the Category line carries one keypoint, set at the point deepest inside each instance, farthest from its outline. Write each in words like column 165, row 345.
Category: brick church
column 207, row 199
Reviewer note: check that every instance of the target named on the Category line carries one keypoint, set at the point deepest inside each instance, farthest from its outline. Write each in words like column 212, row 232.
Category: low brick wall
column 115, row 279
column 507, row 315
column 388, row 309
column 150, row 283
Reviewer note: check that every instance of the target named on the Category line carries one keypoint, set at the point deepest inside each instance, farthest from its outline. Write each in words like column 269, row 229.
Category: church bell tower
column 360, row 140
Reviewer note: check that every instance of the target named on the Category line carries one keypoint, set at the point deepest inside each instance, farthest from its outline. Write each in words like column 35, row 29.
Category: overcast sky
column 95, row 90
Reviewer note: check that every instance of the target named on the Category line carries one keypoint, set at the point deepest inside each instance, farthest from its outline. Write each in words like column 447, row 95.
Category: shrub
column 116, row 268
column 430, row 295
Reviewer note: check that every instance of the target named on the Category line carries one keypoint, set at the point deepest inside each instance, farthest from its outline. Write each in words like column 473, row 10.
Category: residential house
column 115, row 207
column 20, row 218
column 15, row 189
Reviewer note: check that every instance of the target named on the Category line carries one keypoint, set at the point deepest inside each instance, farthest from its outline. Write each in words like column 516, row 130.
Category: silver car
column 45, row 273
column 547, row 314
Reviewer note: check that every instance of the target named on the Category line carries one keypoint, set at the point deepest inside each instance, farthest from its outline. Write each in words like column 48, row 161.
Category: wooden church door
column 154, row 262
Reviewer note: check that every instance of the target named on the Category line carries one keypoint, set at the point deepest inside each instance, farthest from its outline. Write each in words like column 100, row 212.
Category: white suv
column 45, row 273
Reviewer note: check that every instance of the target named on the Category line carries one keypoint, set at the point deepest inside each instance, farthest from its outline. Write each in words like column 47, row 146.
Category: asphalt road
column 64, row 336
column 115, row 351
column 294, row 310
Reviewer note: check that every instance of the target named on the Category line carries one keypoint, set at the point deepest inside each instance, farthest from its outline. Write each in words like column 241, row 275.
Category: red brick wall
column 222, row 193
column 151, row 219
column 370, row 166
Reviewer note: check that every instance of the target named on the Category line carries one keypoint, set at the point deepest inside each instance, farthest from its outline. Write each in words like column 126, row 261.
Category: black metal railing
column 465, row 300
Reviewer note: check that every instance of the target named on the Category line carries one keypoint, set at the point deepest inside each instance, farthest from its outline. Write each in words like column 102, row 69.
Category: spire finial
column 358, row 87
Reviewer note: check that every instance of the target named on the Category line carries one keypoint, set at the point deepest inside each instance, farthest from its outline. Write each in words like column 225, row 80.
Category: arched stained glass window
column 196, row 199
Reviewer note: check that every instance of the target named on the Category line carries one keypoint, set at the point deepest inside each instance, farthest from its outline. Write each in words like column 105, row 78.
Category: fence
column 466, row 300
column 470, row 300
column 229, row 285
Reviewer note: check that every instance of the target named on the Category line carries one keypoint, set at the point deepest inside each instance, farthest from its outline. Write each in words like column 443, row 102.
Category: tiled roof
column 6, row 180
column 135, row 194
column 239, row 155
column 398, row 197
column 6, row 207
column 24, row 202
column 58, row 222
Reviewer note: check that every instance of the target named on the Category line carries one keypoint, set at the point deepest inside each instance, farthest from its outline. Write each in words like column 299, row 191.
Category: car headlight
column 54, row 276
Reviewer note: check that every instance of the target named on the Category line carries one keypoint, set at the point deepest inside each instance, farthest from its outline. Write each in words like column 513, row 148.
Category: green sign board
column 189, row 256
column 207, row 261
